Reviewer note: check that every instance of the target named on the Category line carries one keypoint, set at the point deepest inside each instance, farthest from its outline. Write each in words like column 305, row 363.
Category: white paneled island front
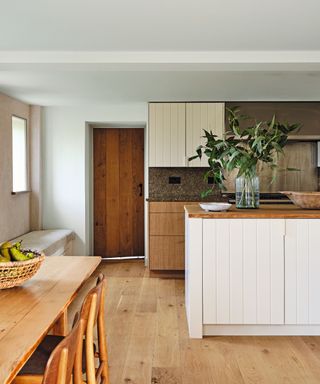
column 253, row 272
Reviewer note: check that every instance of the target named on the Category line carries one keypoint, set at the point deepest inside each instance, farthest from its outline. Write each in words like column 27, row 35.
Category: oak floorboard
column 138, row 365
column 250, row 363
column 148, row 339
column 121, row 326
column 313, row 343
column 280, row 360
column 167, row 351
column 309, row 362
column 148, row 299
column 166, row 376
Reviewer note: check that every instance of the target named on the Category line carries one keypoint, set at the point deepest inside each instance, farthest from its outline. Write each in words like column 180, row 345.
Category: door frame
column 89, row 185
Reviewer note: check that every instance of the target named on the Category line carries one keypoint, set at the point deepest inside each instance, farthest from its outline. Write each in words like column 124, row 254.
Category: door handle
column 140, row 189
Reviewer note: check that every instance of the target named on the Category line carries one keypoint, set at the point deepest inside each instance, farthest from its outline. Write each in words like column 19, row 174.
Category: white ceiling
column 159, row 25
column 109, row 51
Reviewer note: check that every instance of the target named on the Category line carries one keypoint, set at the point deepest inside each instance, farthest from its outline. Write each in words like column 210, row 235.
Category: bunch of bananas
column 13, row 252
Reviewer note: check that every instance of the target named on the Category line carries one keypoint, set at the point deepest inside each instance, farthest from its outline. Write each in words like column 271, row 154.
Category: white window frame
column 26, row 186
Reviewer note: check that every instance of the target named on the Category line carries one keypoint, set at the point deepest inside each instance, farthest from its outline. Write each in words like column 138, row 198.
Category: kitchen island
column 253, row 272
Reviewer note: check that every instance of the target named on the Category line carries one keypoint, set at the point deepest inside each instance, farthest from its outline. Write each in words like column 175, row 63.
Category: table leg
column 61, row 326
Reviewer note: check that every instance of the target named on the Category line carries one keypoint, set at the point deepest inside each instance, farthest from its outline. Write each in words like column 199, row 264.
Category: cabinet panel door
column 302, row 260
column 166, row 252
column 167, row 135
column 243, row 271
column 168, row 224
column 200, row 116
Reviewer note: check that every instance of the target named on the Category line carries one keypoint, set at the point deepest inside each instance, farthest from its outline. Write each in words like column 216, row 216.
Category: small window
column 19, row 155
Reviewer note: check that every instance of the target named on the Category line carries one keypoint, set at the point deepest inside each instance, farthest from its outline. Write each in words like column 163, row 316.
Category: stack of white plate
column 215, row 207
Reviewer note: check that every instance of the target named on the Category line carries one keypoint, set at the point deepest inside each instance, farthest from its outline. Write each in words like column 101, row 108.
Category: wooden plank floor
column 148, row 340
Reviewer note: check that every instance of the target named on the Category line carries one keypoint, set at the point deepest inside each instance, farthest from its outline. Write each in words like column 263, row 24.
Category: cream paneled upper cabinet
column 200, row 116
column 167, row 134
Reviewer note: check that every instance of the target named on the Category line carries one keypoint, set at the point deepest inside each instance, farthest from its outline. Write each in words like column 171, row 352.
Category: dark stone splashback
column 189, row 189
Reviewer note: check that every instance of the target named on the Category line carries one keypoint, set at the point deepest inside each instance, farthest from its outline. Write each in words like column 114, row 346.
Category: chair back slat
column 60, row 365
column 86, row 306
column 90, row 368
column 92, row 314
column 103, row 372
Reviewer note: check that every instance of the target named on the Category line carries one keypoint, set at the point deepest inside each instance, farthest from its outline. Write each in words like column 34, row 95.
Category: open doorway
column 118, row 184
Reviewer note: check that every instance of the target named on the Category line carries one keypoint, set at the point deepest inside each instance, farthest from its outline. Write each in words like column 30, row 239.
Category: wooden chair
column 61, row 363
column 91, row 317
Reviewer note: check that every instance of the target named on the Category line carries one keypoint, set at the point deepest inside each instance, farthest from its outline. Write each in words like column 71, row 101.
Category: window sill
column 19, row 192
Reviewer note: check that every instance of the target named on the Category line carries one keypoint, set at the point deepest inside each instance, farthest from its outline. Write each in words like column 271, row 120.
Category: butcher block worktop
column 276, row 211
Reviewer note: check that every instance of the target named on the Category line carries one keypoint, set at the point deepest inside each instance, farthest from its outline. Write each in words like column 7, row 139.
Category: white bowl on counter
column 215, row 207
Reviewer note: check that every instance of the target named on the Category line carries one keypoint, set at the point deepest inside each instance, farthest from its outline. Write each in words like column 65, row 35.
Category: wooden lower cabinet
column 166, row 252
column 166, row 224
column 166, row 236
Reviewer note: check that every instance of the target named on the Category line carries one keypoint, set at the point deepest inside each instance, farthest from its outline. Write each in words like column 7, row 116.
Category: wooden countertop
column 277, row 211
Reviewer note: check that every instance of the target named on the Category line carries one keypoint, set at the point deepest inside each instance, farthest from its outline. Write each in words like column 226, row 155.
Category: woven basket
column 15, row 273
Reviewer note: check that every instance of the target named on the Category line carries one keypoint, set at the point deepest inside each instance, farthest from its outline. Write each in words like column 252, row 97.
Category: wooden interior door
column 118, row 192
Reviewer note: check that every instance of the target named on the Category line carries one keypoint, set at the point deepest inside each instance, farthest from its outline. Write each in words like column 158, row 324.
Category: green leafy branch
column 243, row 148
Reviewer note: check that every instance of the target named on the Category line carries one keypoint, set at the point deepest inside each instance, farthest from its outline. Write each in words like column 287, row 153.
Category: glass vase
column 247, row 192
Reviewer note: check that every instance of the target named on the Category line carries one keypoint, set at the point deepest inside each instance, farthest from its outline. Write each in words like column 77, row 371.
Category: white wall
column 65, row 163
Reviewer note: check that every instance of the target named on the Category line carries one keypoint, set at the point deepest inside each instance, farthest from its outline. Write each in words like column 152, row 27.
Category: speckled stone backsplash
column 192, row 184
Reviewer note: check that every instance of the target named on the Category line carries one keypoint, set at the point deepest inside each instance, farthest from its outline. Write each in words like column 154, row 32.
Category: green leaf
column 293, row 169
column 206, row 193
column 271, row 125
column 193, row 158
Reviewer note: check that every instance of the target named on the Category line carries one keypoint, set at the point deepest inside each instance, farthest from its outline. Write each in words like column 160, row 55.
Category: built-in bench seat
column 52, row 242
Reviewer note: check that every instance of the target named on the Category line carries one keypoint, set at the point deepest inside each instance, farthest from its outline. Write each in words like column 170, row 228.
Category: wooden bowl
column 305, row 200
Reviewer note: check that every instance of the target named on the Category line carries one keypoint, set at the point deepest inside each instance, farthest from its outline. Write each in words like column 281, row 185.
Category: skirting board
column 261, row 330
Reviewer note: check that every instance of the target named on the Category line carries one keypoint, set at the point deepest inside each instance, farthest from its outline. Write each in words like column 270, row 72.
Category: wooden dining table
column 29, row 312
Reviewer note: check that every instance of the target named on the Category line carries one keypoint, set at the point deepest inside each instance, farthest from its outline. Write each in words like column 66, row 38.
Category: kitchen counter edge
column 277, row 211
column 181, row 199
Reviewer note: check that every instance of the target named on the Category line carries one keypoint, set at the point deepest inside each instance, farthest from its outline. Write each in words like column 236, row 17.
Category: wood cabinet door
column 200, row 116
column 118, row 192
column 167, row 130
column 167, row 234
column 166, row 253
column 243, row 271
column 302, row 272
column 166, row 224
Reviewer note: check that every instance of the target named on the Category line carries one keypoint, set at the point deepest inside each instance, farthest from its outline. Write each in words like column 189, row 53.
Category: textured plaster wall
column 14, row 209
